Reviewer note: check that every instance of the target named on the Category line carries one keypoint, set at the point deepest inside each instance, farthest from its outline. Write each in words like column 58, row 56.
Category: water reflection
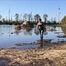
column 17, row 32
column 26, row 30
column 9, row 36
column 41, row 39
column 40, row 32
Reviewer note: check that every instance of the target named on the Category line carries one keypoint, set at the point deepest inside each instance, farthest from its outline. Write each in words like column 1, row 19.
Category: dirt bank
column 53, row 56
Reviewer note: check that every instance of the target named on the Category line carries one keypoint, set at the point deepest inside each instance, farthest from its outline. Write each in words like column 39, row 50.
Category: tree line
column 19, row 18
column 28, row 17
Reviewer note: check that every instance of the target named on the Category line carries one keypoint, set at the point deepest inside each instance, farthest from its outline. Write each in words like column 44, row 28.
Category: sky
column 50, row 7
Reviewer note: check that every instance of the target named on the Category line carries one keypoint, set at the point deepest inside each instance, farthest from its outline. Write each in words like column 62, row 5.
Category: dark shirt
column 41, row 27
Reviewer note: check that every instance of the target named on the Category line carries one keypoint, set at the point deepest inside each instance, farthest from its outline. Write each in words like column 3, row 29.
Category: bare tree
column 0, row 17
column 37, row 17
column 45, row 18
column 20, row 17
column 25, row 17
column 17, row 17
column 30, row 17
column 3, row 19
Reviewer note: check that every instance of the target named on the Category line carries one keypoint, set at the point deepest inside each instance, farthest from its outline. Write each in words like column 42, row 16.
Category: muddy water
column 10, row 37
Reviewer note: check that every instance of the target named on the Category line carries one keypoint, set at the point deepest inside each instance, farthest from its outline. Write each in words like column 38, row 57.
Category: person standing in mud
column 41, row 28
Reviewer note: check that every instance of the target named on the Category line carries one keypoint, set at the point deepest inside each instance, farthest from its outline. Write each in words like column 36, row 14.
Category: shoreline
column 52, row 56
